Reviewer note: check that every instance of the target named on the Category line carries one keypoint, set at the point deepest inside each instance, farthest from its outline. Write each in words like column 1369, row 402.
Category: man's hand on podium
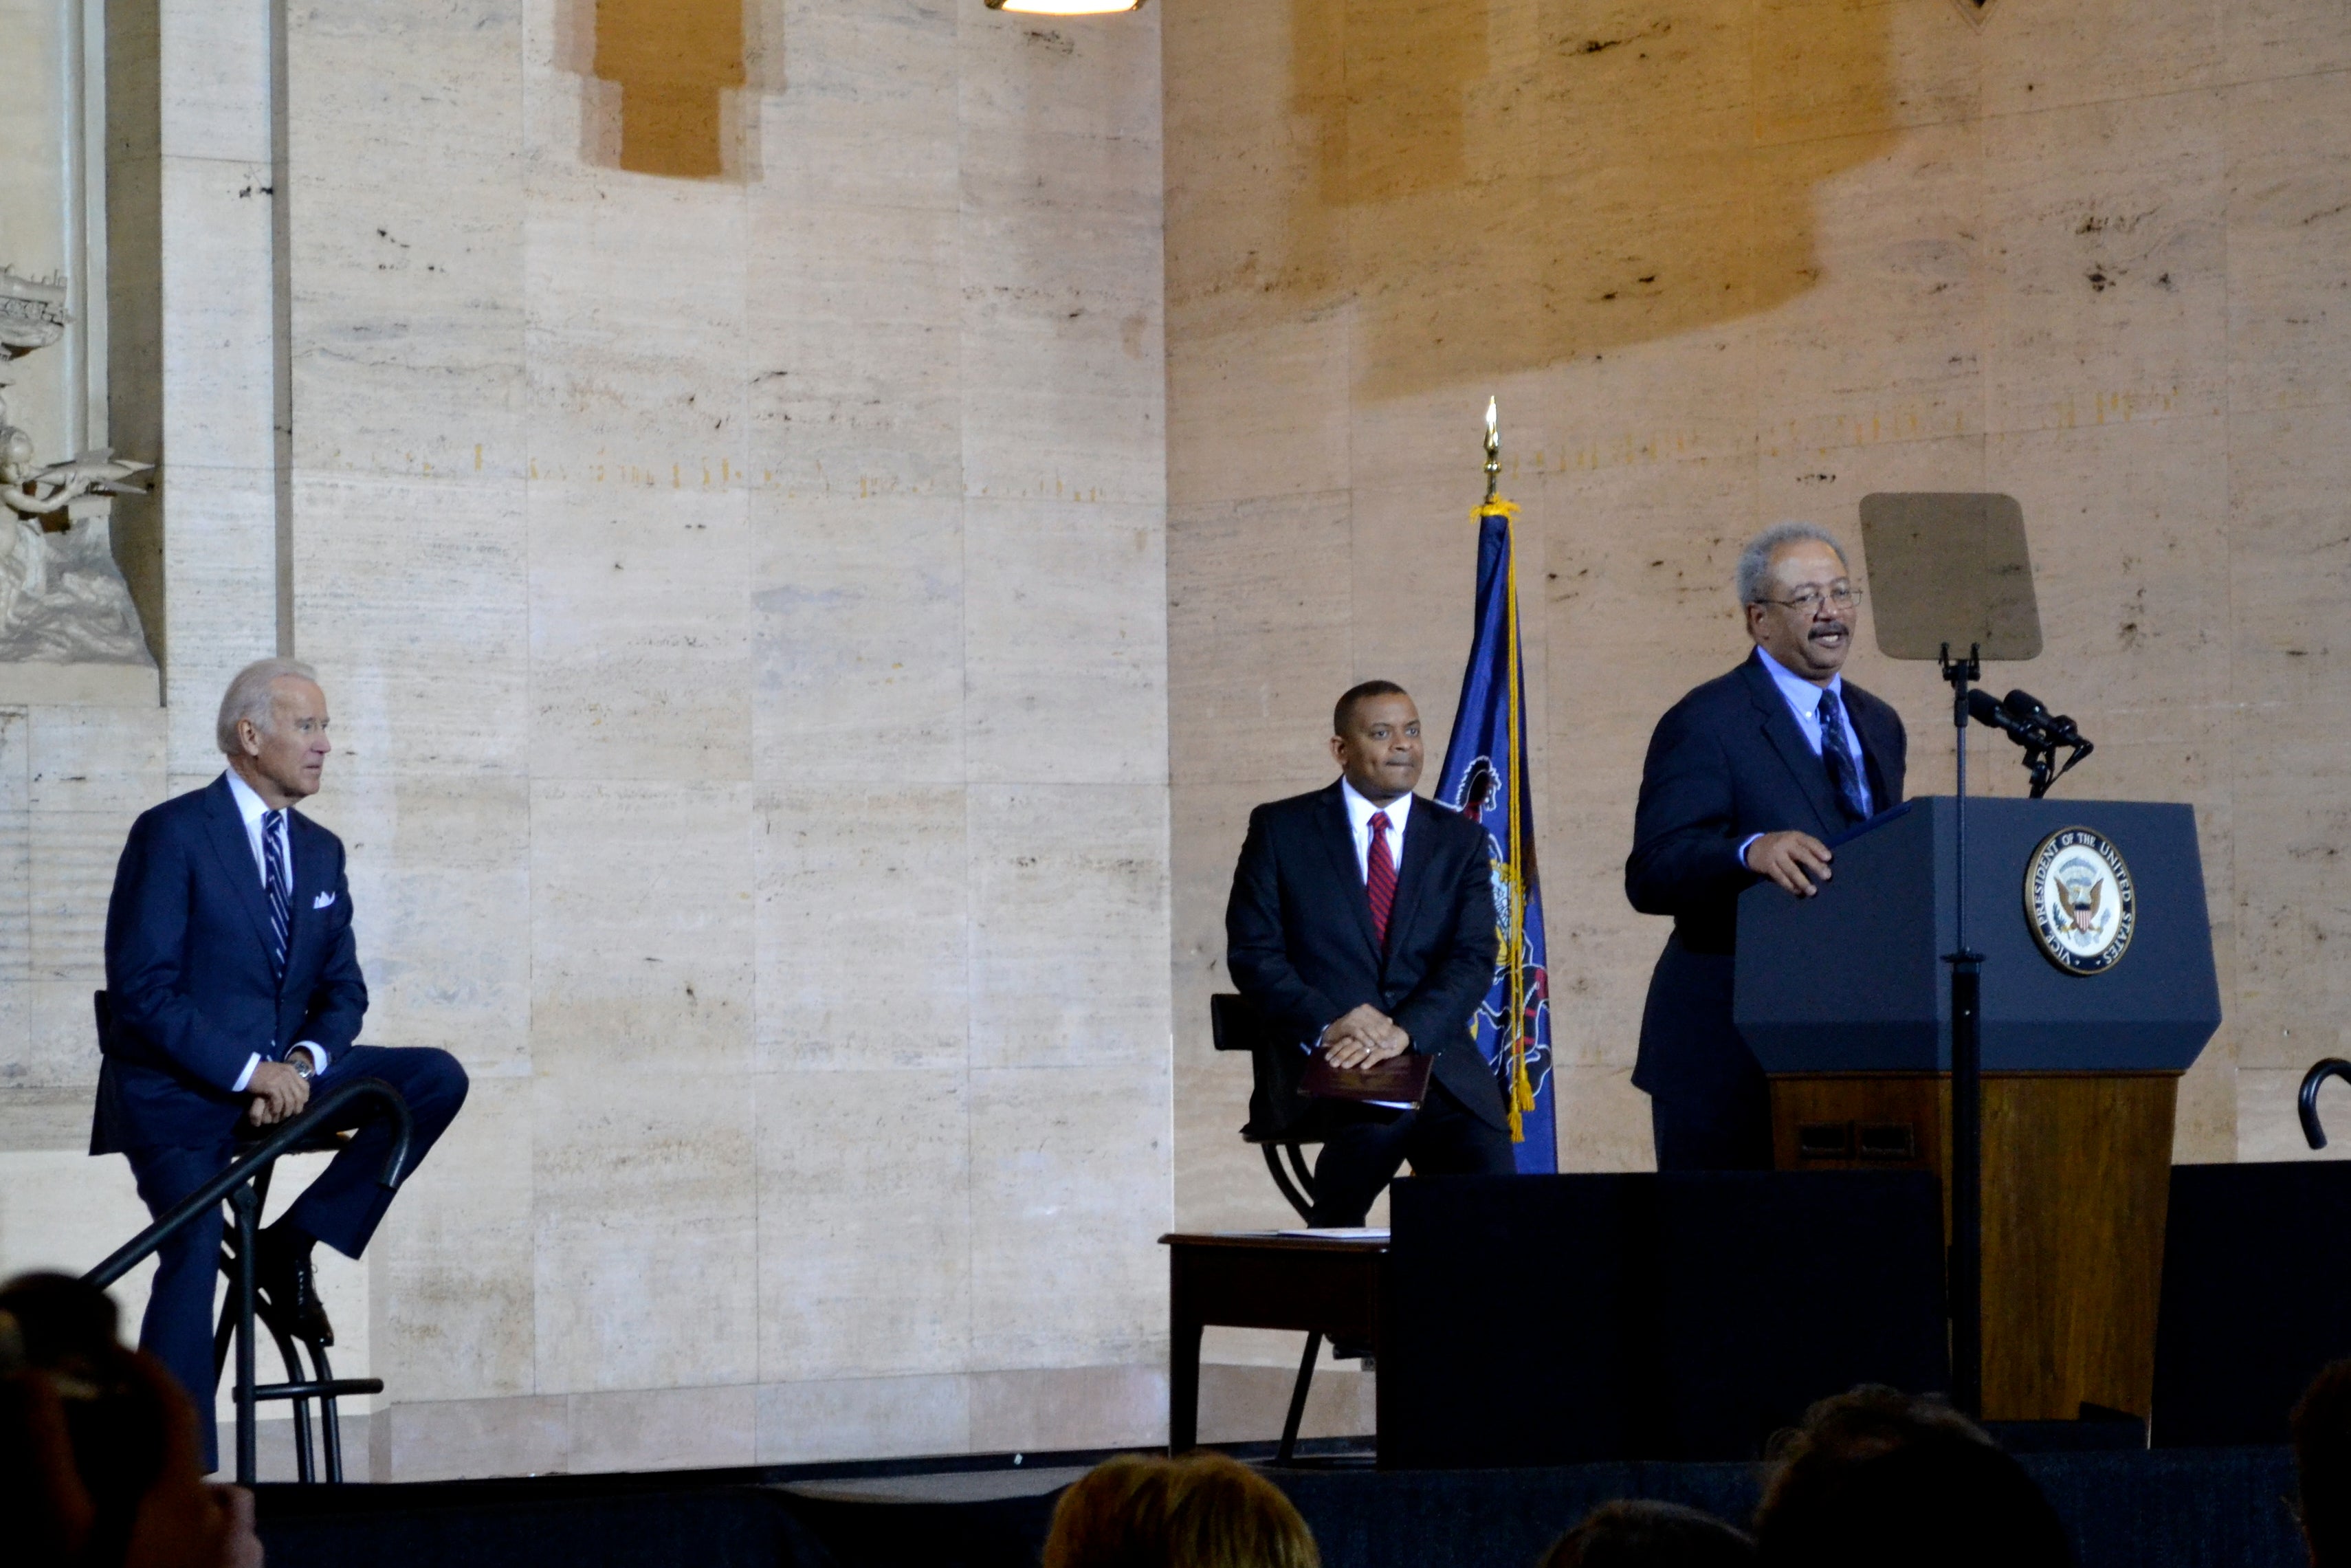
column 1363, row 1035
column 1792, row 859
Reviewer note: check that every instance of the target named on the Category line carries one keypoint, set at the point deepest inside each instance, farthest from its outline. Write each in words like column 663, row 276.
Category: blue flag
column 1486, row 779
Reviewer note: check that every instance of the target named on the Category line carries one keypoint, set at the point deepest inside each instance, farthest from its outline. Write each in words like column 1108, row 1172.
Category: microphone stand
column 1965, row 1270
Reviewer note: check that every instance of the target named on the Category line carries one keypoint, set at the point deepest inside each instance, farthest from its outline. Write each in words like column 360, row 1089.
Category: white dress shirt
column 1804, row 700
column 252, row 809
column 1359, row 819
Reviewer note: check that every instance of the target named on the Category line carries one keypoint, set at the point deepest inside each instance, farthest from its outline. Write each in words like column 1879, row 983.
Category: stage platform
column 2176, row 1508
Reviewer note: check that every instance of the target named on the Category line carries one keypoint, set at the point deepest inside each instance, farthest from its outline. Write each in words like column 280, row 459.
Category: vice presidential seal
column 2079, row 901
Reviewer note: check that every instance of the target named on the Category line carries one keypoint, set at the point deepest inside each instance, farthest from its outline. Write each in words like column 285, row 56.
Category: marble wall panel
column 1847, row 66
column 863, row 927
column 15, row 894
column 635, row 344
column 1077, row 1407
column 408, row 301
column 1280, row 403
column 215, row 98
column 1069, row 928
column 1035, row 75
column 413, row 598
column 2290, row 812
column 865, row 1258
column 865, row 110
column 842, row 413
column 2266, row 38
column 642, row 929
column 2289, row 235
column 860, row 1418
column 1888, row 347
column 2108, row 235
column 93, row 772
column 1064, row 1160
column 1257, row 574
column 2100, row 52
column 430, row 1441
column 1065, row 651
column 219, row 555
column 662, row 1429
column 2130, row 554
column 2289, row 554
column 451, row 1268
column 215, row 285
column 645, row 1200
column 641, row 631
column 857, row 611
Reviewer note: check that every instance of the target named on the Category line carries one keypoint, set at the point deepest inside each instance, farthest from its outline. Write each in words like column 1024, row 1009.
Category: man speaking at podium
column 1747, row 779
column 1362, row 923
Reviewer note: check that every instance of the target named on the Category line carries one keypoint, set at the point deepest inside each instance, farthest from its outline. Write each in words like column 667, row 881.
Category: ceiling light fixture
column 1065, row 8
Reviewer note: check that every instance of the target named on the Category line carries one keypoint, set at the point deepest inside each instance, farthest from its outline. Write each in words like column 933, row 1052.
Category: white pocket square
column 323, row 900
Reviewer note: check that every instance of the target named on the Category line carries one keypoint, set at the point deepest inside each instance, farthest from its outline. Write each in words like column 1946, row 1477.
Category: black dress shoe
column 282, row 1271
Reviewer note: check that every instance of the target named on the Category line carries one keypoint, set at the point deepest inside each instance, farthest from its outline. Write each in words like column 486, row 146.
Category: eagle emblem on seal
column 2079, row 901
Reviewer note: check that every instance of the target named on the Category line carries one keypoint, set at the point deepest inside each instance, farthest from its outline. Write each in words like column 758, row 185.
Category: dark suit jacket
column 1297, row 932
column 188, row 970
column 1727, row 761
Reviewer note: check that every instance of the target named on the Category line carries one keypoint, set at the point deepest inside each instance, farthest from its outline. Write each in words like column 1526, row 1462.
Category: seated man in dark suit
column 234, row 986
column 1746, row 778
column 1361, row 920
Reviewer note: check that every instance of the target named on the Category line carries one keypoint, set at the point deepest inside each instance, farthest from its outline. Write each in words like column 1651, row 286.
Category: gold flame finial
column 1493, row 448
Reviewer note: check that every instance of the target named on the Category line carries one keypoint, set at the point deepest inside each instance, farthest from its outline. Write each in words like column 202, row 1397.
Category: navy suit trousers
column 341, row 1207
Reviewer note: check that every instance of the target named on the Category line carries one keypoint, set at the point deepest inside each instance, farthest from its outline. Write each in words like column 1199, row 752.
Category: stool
column 247, row 1203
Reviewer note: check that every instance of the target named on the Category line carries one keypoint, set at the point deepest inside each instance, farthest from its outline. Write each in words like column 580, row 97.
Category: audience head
column 1876, row 1476
column 1202, row 1511
column 1646, row 1535
column 2321, row 1459
column 98, row 1459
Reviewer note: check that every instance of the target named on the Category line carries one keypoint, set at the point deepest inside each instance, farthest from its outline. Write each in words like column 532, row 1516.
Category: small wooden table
column 1263, row 1280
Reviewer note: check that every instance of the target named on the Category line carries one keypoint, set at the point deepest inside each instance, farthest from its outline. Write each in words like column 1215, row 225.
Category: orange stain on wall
column 674, row 61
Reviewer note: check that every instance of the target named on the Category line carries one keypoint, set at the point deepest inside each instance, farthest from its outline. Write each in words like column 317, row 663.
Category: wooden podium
column 1845, row 1000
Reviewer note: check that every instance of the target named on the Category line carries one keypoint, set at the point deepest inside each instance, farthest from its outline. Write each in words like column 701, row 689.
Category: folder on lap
column 1401, row 1078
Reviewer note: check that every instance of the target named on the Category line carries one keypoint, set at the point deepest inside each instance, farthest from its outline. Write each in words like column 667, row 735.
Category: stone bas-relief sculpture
column 62, row 598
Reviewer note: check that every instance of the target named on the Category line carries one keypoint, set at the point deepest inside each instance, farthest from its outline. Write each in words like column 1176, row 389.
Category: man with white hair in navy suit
column 233, row 987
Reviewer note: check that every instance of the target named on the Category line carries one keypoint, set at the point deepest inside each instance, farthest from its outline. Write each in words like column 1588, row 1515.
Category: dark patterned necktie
column 1836, row 752
column 1380, row 877
column 273, row 859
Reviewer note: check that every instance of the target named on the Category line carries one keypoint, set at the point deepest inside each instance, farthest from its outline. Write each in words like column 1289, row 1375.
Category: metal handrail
column 2331, row 1067
column 238, row 1182
column 134, row 1252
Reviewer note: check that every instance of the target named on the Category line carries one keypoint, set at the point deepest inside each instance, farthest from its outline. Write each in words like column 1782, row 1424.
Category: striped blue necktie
column 1837, row 753
column 272, row 858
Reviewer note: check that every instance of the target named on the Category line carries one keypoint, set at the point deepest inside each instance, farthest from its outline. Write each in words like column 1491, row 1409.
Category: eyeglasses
column 1808, row 601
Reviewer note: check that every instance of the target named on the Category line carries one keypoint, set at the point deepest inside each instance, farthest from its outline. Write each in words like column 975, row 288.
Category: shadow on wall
column 671, row 86
column 1498, row 187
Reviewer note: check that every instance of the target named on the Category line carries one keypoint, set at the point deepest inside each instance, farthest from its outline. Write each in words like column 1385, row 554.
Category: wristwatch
column 299, row 1061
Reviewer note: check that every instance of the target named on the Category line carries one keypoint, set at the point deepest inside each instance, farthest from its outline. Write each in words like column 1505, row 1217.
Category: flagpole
column 1521, row 1093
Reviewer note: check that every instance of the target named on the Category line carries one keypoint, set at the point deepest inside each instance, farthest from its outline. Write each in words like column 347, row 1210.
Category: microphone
column 1986, row 709
column 2026, row 709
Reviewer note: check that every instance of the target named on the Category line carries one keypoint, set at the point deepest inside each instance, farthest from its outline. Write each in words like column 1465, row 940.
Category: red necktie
column 1380, row 877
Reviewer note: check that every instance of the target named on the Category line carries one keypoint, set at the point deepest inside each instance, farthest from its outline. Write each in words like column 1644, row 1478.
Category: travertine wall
column 743, row 605
column 1725, row 262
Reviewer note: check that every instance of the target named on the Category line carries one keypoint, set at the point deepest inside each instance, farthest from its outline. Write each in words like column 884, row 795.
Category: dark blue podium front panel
column 1853, row 980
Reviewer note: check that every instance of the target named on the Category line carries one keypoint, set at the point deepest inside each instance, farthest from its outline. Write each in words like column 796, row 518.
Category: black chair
column 1282, row 1121
column 257, row 1160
